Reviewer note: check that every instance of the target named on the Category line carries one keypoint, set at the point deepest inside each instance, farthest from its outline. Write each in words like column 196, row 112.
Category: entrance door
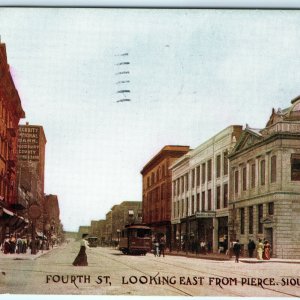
column 268, row 232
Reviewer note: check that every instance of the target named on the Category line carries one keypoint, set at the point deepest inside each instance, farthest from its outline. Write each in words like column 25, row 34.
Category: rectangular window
column 186, row 182
column 198, row 175
column 203, row 173
column 273, row 168
column 244, row 178
column 193, row 178
column 209, row 199
column 263, row 172
column 182, row 184
column 209, row 170
column 198, row 202
column 250, row 219
column 178, row 185
column 187, row 207
column 242, row 211
column 271, row 208
column 193, row 204
column 203, row 201
column 260, row 216
column 178, row 208
column 218, row 166
column 182, row 207
column 253, row 175
column 174, row 188
column 295, row 167
column 236, row 181
column 225, row 163
column 218, row 197
column 225, row 195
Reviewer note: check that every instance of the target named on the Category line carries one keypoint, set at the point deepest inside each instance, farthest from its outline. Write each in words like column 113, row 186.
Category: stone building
column 127, row 212
column 200, row 181
column 83, row 230
column 265, row 185
column 157, row 190
column 11, row 112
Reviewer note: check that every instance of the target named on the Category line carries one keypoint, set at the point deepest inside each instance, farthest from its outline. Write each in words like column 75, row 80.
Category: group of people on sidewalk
column 263, row 249
column 12, row 244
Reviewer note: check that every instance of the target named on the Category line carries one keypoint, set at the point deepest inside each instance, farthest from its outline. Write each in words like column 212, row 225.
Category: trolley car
column 93, row 241
column 135, row 239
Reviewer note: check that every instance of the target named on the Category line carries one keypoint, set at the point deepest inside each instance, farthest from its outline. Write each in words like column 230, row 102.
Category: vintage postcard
column 149, row 152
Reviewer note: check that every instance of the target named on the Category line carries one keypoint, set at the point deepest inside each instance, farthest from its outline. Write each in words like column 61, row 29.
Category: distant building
column 157, row 190
column 83, row 230
column 31, row 160
column 200, row 194
column 265, row 185
column 11, row 112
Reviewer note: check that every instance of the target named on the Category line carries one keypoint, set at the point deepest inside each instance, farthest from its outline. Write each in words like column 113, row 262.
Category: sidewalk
column 223, row 257
column 24, row 256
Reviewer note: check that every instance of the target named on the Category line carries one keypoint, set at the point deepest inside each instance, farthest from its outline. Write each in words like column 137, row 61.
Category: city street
column 112, row 273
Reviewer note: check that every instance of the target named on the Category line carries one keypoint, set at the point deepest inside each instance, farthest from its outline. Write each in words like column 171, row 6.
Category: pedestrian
column 19, row 245
column 267, row 251
column 6, row 246
column 156, row 247
column 12, row 243
column 162, row 245
column 251, row 248
column 237, row 250
column 81, row 258
column 203, row 247
column 259, row 249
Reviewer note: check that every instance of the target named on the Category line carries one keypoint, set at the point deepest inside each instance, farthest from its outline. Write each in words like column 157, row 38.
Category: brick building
column 265, row 185
column 157, row 190
column 200, row 181
column 11, row 112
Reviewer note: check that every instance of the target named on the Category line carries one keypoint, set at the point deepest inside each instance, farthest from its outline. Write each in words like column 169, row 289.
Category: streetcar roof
column 137, row 227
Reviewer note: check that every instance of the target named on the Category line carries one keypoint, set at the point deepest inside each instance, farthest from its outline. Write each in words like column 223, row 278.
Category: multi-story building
column 157, row 190
column 31, row 159
column 128, row 212
column 11, row 112
column 200, row 182
column 83, row 230
column 50, row 218
column 265, row 185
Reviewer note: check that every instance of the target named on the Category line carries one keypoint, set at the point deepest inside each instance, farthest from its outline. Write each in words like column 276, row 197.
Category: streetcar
column 93, row 241
column 135, row 239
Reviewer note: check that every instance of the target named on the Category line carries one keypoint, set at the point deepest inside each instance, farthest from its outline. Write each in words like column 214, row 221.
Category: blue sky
column 192, row 73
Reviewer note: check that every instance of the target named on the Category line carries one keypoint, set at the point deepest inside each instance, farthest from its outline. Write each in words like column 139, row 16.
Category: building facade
column 265, row 185
column 11, row 112
column 200, row 183
column 157, row 190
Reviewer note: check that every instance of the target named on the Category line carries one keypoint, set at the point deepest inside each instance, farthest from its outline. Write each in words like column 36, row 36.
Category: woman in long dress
column 267, row 250
column 260, row 249
column 81, row 258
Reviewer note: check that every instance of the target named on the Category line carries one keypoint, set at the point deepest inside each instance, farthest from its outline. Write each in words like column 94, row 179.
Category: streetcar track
column 134, row 268
column 266, row 288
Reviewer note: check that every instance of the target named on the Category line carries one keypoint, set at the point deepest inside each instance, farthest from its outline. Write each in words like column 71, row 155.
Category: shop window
column 295, row 167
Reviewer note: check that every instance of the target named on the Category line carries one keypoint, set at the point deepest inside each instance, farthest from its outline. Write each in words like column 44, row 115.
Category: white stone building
column 200, row 184
column 265, row 186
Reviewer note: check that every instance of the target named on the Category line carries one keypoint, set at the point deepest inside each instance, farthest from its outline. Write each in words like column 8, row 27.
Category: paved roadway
column 145, row 275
